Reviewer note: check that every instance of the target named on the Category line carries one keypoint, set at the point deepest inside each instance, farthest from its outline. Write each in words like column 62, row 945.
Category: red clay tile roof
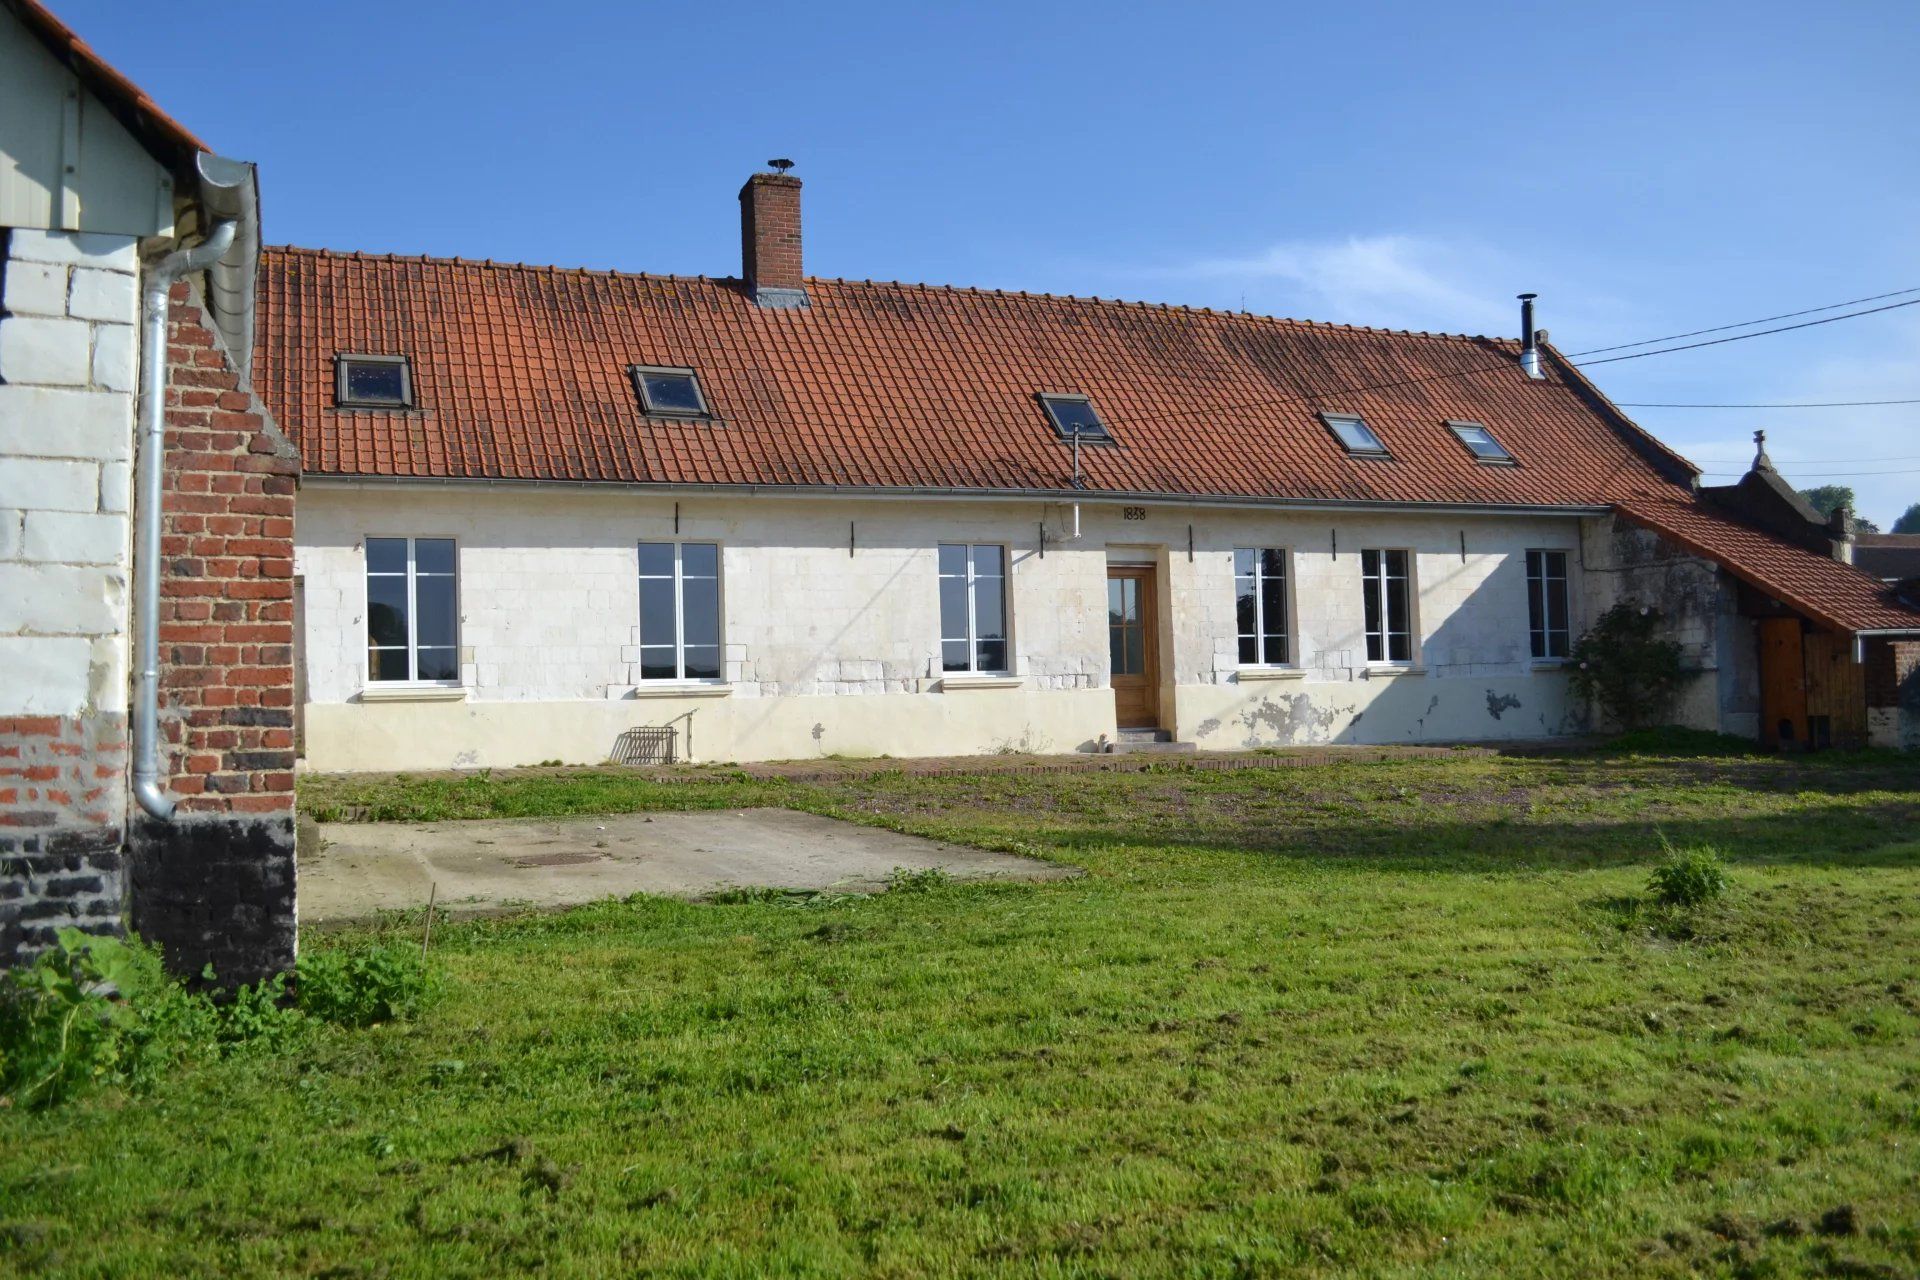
column 1833, row 594
column 521, row 373
column 168, row 139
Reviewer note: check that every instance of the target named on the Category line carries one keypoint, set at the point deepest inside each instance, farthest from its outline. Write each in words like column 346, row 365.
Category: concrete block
column 10, row 522
column 54, row 599
column 36, row 288
column 84, row 248
column 40, row 349
column 45, row 675
column 69, row 537
column 44, row 484
column 55, row 422
column 109, row 296
column 116, row 487
column 107, row 671
column 116, row 357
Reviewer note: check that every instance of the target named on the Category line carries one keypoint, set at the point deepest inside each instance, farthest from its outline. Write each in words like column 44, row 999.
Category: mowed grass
column 1384, row 1019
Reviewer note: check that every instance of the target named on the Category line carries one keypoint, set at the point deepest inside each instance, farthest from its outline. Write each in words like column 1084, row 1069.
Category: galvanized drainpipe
column 146, row 553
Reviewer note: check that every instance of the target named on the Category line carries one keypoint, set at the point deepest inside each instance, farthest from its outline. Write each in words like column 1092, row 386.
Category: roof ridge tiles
column 1094, row 300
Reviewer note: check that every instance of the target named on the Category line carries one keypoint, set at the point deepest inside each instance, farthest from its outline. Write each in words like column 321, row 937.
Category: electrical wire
column 1508, row 365
column 1722, row 328
column 1742, row 337
column 1797, row 404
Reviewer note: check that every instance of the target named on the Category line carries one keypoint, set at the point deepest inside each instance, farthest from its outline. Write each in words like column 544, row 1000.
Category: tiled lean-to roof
column 1837, row 595
column 522, row 373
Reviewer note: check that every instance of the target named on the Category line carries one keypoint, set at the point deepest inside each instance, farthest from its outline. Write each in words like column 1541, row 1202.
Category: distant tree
column 1828, row 496
column 1909, row 521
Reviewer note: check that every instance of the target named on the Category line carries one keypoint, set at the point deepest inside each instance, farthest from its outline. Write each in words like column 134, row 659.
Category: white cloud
column 1391, row 281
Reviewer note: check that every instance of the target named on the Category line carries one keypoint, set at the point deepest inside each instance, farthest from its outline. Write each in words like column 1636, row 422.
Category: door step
column 1147, row 740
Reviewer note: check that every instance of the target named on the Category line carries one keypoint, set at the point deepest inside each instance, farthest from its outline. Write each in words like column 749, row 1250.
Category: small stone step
column 1142, row 742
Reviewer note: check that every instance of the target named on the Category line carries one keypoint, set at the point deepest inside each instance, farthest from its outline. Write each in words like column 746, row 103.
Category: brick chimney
column 770, row 240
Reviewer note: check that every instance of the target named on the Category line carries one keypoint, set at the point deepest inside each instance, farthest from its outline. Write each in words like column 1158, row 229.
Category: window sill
column 1550, row 664
column 672, row 689
column 414, row 693
column 1244, row 674
column 1392, row 671
column 954, row 683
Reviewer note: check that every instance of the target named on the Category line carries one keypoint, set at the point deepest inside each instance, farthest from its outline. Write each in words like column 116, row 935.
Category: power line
column 1722, row 328
column 1797, row 404
column 1812, row 462
column 1508, row 365
column 1826, row 475
column 1742, row 337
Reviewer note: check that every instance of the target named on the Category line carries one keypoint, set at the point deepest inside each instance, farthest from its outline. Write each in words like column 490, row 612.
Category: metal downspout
column 146, row 555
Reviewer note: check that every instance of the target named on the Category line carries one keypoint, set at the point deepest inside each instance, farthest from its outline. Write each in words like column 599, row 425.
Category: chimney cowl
column 1529, row 339
column 770, row 261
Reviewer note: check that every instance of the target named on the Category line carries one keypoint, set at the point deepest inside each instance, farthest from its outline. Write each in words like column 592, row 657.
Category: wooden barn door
column 1783, row 683
column 1836, row 692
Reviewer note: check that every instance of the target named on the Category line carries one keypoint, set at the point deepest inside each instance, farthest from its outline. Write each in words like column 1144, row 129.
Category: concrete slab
column 360, row 869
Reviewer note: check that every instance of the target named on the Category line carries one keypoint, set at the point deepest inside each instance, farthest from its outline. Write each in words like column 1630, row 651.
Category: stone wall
column 69, row 307
column 1622, row 561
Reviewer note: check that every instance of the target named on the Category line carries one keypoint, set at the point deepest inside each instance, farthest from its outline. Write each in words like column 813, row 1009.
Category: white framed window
column 973, row 607
column 679, row 611
column 1389, row 605
column 1260, row 605
column 1549, row 624
column 413, row 619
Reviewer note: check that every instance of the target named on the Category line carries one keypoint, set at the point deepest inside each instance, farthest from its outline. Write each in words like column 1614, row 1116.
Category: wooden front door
column 1133, row 644
column 1783, row 683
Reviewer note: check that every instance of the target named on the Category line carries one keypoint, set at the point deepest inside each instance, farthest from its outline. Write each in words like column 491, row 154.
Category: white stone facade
column 830, row 621
column 69, row 359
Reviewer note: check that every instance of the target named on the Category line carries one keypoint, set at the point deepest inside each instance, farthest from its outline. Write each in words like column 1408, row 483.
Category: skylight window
column 1074, row 415
column 1355, row 435
column 669, row 392
column 372, row 382
column 1480, row 442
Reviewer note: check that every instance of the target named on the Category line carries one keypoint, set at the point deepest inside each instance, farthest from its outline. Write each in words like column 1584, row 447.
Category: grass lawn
column 1377, row 1019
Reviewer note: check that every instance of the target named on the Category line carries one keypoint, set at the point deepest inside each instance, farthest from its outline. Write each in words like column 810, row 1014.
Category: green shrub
column 95, row 1010
column 1624, row 665
column 65, row 1019
column 1688, row 877
column 359, row 986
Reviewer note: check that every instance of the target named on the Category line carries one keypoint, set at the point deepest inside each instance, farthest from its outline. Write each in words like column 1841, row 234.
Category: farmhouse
column 569, row 515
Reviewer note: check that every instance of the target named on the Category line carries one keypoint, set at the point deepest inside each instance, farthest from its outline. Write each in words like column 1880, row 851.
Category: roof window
column 372, row 382
column 1355, row 435
column 669, row 392
column 1480, row 442
column 1074, row 418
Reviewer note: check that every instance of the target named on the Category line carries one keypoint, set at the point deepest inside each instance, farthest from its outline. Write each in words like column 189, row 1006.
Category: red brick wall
column 770, row 231
column 226, row 611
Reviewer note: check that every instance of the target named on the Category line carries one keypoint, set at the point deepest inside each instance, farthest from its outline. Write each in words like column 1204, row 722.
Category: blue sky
column 1647, row 169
